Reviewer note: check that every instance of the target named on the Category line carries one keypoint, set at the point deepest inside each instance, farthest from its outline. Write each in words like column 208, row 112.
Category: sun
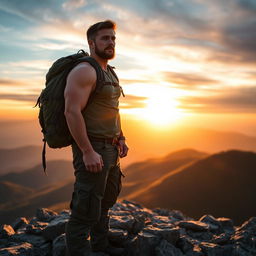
column 161, row 110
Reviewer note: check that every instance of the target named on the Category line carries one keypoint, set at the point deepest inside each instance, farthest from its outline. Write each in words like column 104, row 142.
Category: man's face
column 105, row 44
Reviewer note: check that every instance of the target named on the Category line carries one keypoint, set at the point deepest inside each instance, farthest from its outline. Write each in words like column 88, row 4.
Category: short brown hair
column 92, row 30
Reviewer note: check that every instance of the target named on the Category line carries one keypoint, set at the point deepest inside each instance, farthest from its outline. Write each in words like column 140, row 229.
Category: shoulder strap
column 111, row 68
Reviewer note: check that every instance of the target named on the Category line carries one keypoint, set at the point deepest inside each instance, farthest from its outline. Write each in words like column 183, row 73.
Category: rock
column 211, row 249
column 214, row 224
column 43, row 250
column 193, row 225
column 185, row 244
column 221, row 239
column 197, row 251
column 143, row 244
column 166, row 248
column 122, row 222
column 141, row 231
column 32, row 239
column 170, row 235
column 200, row 236
column 6, row 231
column 19, row 223
column 117, row 236
column 44, row 214
column 227, row 224
column 59, row 245
column 54, row 229
column 36, row 228
column 249, row 225
column 20, row 249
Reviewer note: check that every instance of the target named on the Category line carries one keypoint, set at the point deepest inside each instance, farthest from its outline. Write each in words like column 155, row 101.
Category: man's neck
column 103, row 62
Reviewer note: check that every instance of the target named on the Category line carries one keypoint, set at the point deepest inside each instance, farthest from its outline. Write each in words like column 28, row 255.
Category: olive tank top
column 101, row 116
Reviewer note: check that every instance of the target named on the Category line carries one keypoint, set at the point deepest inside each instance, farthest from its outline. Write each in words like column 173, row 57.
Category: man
column 98, row 144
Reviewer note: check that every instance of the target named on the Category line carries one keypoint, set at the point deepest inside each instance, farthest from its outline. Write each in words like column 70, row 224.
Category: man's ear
column 91, row 44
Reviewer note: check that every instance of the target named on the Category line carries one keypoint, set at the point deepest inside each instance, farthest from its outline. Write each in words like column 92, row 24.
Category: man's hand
column 93, row 161
column 123, row 148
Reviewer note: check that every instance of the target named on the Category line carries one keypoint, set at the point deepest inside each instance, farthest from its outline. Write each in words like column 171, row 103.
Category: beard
column 104, row 55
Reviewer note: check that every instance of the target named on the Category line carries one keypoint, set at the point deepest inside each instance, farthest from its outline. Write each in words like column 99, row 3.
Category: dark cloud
column 229, row 100
column 188, row 80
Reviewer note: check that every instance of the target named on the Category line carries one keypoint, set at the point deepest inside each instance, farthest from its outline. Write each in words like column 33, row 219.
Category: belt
column 112, row 141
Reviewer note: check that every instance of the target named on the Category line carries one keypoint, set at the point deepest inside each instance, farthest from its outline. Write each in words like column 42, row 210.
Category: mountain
column 58, row 170
column 222, row 184
column 144, row 140
column 21, row 158
column 141, row 174
column 12, row 192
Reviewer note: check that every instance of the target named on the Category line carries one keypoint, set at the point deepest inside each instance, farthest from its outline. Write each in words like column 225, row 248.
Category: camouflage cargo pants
column 94, row 194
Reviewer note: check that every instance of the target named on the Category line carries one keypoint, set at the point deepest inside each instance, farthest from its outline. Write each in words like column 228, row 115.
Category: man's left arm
column 123, row 148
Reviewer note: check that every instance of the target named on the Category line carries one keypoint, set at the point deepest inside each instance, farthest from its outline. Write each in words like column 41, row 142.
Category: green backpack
column 52, row 103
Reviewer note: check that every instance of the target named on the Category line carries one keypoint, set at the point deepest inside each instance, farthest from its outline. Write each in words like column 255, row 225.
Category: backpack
column 52, row 103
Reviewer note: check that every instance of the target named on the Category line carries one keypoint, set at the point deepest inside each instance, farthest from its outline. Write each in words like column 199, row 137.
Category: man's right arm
column 80, row 83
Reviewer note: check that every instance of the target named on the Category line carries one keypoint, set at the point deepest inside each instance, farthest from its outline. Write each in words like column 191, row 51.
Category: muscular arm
column 80, row 83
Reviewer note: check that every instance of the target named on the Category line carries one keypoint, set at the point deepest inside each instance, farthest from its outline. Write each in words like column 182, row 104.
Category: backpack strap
column 111, row 68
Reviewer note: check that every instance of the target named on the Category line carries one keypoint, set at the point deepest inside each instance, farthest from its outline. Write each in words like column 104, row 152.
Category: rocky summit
column 141, row 231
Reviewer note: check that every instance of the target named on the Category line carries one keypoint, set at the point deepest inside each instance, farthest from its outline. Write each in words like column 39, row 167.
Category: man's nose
column 111, row 42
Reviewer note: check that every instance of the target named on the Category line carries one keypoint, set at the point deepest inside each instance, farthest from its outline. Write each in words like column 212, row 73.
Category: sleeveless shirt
column 101, row 116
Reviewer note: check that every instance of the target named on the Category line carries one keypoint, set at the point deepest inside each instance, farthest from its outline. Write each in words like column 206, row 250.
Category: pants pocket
column 83, row 202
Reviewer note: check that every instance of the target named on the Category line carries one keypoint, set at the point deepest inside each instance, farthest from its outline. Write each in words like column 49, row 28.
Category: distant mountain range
column 221, row 184
column 194, row 182
column 143, row 140
column 21, row 158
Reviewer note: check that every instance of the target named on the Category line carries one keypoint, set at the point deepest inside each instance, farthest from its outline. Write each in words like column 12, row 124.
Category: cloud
column 131, row 101
column 189, row 80
column 228, row 100
column 73, row 4
column 20, row 97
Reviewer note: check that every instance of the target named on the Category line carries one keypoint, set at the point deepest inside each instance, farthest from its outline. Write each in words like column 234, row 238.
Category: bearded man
column 98, row 145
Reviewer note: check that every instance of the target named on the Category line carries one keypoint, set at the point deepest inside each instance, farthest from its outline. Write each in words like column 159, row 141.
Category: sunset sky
column 190, row 62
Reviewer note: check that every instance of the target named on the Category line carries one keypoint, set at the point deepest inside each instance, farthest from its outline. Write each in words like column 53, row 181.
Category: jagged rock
column 141, row 231
column 211, row 249
column 165, row 248
column 239, row 251
column 20, row 249
column 43, row 250
column 221, row 239
column 197, row 251
column 6, row 231
column 170, row 235
column 54, row 229
column 143, row 244
column 193, row 225
column 44, row 214
column 117, row 236
column 185, row 244
column 214, row 224
column 32, row 239
column 227, row 224
column 249, row 225
column 19, row 223
column 200, row 236
column 59, row 245
column 36, row 228
column 122, row 222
